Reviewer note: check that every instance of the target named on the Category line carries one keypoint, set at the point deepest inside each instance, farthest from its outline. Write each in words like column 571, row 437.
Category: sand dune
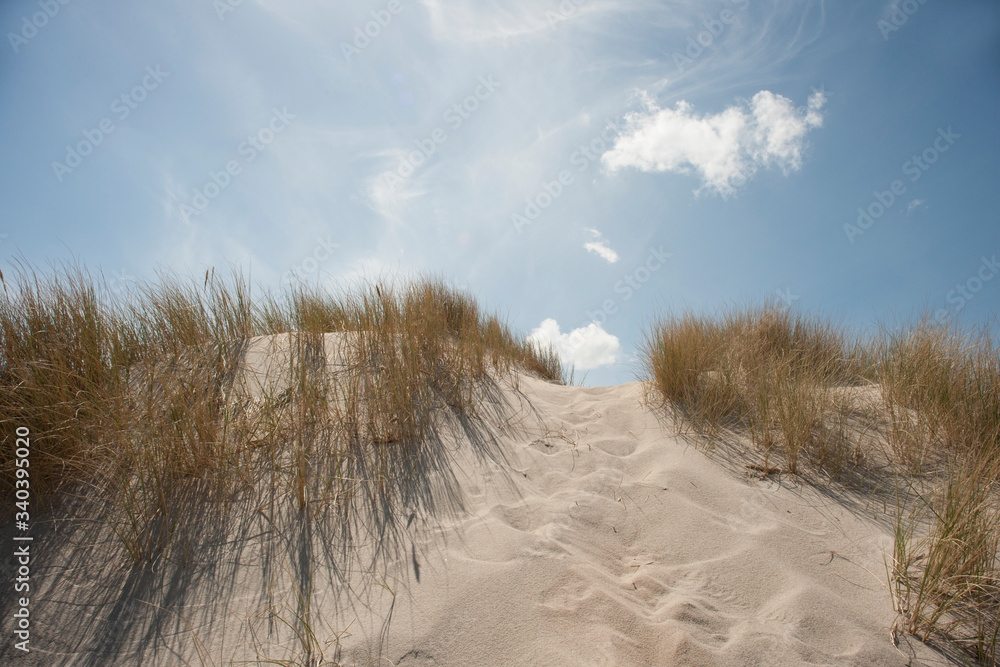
column 611, row 543
column 568, row 527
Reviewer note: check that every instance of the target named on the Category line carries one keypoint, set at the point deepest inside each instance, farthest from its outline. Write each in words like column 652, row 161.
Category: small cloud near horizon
column 585, row 348
column 725, row 149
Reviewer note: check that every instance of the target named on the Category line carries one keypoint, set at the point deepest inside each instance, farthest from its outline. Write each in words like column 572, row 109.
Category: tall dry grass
column 762, row 369
column 793, row 384
column 941, row 390
column 138, row 398
column 944, row 387
column 946, row 578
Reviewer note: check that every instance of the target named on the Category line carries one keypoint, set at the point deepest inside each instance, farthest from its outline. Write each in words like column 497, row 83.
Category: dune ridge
column 559, row 526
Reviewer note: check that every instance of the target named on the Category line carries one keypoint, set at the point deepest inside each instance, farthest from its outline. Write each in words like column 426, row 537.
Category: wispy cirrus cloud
column 475, row 21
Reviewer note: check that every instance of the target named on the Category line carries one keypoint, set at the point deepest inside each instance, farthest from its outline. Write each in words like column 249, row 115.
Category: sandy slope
column 613, row 543
column 578, row 531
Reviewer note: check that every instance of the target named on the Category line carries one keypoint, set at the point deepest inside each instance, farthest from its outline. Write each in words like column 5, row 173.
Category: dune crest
column 558, row 526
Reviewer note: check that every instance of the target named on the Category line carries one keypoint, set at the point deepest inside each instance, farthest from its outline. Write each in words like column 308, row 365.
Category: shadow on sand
column 260, row 577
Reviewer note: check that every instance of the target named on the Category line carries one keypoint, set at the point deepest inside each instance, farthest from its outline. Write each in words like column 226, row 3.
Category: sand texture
column 561, row 526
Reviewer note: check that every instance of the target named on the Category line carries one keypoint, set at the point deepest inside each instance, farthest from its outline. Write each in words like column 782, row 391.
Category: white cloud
column 482, row 23
column 724, row 149
column 914, row 205
column 586, row 348
column 600, row 247
column 603, row 249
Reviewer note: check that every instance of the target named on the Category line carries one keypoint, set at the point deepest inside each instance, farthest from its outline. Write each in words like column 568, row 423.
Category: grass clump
column 141, row 399
column 762, row 369
column 922, row 399
column 946, row 581
column 941, row 389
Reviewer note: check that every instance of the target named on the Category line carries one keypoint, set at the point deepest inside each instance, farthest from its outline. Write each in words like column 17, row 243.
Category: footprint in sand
column 620, row 447
column 518, row 517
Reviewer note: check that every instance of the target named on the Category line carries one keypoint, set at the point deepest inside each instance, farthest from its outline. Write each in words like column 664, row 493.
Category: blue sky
column 577, row 165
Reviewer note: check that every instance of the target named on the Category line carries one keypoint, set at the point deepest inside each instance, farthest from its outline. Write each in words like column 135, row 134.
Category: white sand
column 610, row 542
column 577, row 532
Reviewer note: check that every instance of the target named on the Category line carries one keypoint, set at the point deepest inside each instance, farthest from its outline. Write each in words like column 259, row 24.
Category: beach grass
column 917, row 405
column 136, row 400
